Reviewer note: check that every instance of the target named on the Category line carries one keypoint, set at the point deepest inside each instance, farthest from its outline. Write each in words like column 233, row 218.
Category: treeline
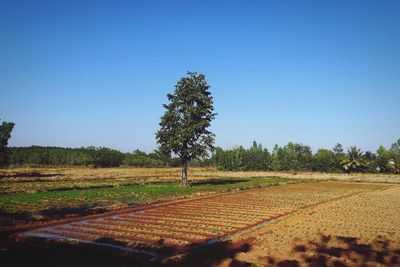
column 90, row 156
column 291, row 157
column 299, row 157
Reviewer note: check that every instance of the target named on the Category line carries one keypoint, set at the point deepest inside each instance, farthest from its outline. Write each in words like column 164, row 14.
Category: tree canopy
column 184, row 127
column 354, row 160
column 5, row 134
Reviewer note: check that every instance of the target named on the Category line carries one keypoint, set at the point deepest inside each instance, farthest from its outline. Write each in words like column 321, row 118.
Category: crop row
column 184, row 222
column 237, row 219
column 131, row 236
column 213, row 228
column 85, row 236
column 154, row 226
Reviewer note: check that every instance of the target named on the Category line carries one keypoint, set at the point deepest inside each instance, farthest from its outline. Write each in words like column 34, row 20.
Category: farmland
column 360, row 230
column 261, row 218
column 25, row 191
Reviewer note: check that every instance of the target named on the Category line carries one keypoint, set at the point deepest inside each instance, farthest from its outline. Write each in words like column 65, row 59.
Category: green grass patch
column 37, row 201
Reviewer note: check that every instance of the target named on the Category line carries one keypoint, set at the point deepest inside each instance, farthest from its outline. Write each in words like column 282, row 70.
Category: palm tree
column 354, row 160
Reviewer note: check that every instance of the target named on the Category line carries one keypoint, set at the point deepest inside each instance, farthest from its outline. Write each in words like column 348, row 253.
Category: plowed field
column 178, row 225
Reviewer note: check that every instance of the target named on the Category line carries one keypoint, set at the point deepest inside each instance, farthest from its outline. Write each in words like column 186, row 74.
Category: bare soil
column 359, row 230
column 315, row 224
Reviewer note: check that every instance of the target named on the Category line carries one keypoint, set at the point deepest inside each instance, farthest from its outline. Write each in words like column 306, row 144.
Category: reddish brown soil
column 179, row 232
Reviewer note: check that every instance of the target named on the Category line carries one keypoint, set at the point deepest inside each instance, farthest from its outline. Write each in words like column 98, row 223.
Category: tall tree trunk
column 184, row 173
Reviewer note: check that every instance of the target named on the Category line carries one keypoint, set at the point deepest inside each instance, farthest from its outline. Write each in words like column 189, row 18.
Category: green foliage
column 37, row 155
column 27, row 202
column 98, row 157
column 396, row 146
column 293, row 156
column 338, row 150
column 324, row 160
column 141, row 159
column 354, row 160
column 339, row 156
column 106, row 157
column 370, row 162
column 5, row 134
column 389, row 160
column 240, row 159
column 184, row 125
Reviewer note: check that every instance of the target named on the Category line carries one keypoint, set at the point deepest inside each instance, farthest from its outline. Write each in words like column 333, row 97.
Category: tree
column 141, row 159
column 396, row 146
column 277, row 158
column 106, row 157
column 339, row 155
column 255, row 158
column 338, row 149
column 184, row 125
column 354, row 160
column 389, row 160
column 5, row 134
column 294, row 157
column 323, row 160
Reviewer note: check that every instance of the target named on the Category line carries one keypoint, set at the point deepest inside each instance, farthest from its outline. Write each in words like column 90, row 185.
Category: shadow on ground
column 35, row 174
column 48, row 215
column 342, row 251
column 38, row 252
column 327, row 251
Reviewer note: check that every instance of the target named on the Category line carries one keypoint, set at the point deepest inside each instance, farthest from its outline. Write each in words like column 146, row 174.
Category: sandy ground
column 360, row 230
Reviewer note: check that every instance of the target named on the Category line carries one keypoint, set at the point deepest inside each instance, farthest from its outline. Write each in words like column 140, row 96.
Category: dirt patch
column 358, row 230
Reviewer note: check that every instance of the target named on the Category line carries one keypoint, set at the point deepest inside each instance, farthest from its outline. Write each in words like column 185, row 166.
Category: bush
column 105, row 157
column 324, row 160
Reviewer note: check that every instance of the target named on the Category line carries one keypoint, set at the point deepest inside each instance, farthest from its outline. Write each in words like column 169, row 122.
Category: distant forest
column 291, row 157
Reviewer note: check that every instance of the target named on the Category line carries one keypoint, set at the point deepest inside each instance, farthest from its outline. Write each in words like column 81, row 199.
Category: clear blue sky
column 80, row 73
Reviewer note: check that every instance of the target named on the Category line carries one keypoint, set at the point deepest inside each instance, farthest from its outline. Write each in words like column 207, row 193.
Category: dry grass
column 26, row 179
column 82, row 173
column 16, row 180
